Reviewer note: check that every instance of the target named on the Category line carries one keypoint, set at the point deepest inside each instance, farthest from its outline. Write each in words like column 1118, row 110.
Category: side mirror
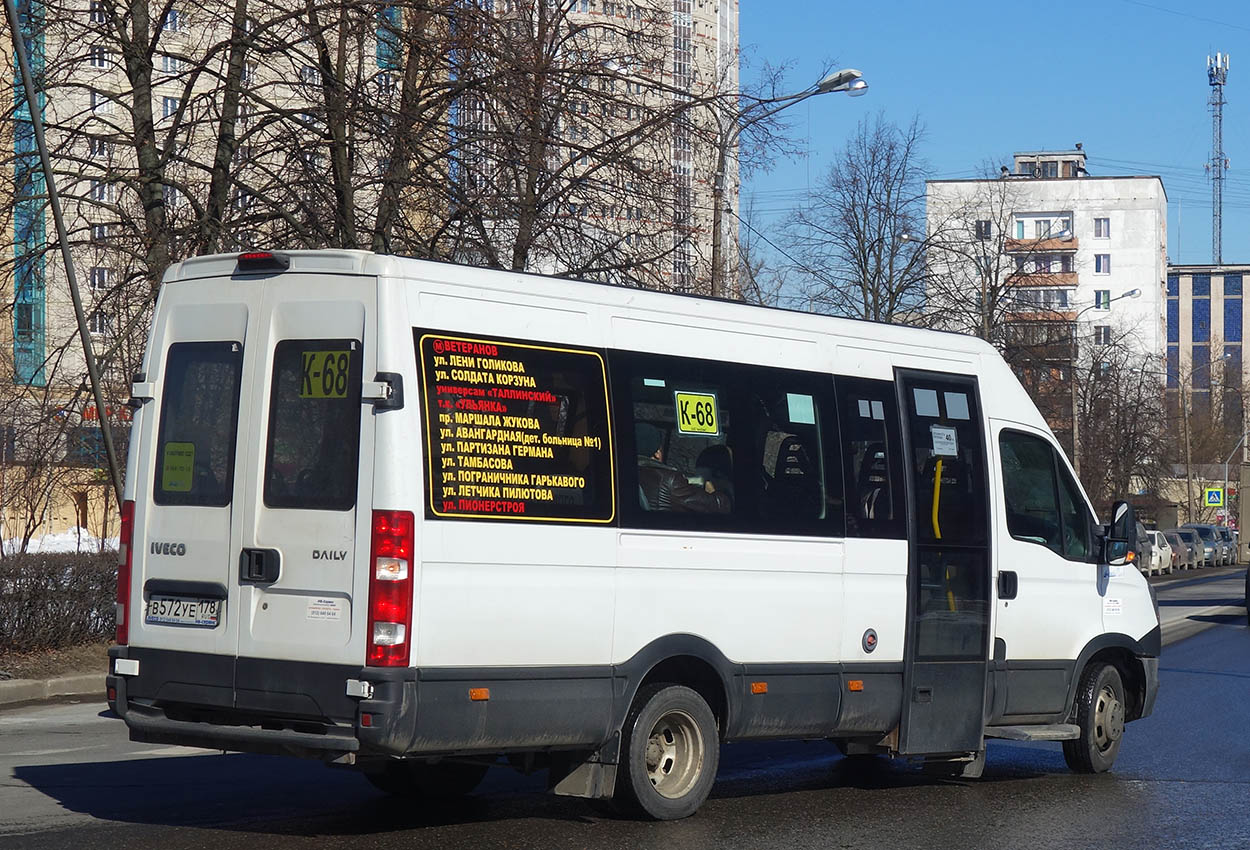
column 1120, row 544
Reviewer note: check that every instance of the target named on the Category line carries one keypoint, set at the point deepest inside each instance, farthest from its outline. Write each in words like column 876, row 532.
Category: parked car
column 1163, row 560
column 1229, row 538
column 1184, row 552
column 1194, row 544
column 1211, row 551
column 1145, row 549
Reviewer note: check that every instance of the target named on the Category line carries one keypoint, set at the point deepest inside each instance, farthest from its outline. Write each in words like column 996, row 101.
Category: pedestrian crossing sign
column 1214, row 497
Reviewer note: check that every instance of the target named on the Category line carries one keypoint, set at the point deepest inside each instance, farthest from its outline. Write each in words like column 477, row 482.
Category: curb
column 31, row 690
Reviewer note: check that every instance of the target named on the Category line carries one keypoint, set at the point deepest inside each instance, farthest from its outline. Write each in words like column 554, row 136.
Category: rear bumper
column 244, row 705
column 305, row 709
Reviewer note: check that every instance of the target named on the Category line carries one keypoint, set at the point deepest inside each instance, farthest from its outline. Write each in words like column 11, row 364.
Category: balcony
column 1050, row 279
column 1050, row 245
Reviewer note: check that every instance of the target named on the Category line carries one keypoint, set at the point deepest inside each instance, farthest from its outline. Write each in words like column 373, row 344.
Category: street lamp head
column 840, row 81
column 1132, row 293
column 858, row 88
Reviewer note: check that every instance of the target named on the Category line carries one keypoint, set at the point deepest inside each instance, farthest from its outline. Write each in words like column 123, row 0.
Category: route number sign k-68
column 696, row 413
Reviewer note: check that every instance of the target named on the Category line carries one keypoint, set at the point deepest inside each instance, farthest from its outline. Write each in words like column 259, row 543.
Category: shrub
column 56, row 600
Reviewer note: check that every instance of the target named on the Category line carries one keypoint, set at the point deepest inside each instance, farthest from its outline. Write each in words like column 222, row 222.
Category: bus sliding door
column 949, row 570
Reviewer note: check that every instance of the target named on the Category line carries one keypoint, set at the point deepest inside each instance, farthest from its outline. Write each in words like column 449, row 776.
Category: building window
column 1102, row 334
column 1065, row 263
column 169, row 106
column 1201, row 362
column 24, row 322
column 1019, row 229
column 96, row 14
column 100, row 278
column 1102, row 264
column 1232, row 320
column 308, row 74
column 97, row 148
column 1201, row 285
column 1174, row 320
column 1102, row 228
column 172, row 21
column 1041, row 228
column 1102, row 299
column 1202, row 319
column 1048, row 169
column 171, row 64
column 100, row 232
column 100, row 102
column 97, row 56
column 101, row 191
column 983, row 229
column 99, row 323
column 1232, row 284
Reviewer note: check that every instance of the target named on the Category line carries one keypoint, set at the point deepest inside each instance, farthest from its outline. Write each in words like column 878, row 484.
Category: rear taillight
column 124, row 560
column 390, row 589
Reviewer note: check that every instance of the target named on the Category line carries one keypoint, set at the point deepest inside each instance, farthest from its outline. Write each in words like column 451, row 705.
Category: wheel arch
column 1125, row 654
column 680, row 659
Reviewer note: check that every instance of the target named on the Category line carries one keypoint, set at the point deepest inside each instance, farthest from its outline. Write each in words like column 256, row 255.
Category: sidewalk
column 33, row 690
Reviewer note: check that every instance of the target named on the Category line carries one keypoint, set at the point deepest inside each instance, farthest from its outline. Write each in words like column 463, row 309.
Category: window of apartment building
column 172, row 22
column 1201, row 328
column 96, row 12
column 101, row 232
column 100, row 323
column 101, row 191
column 1048, row 169
column 1049, row 297
column 242, row 199
column 1102, row 264
column 308, row 74
column 100, row 102
column 983, row 229
column 1102, row 299
column 1102, row 334
column 169, row 106
column 171, row 64
column 173, row 198
column 1042, row 264
column 100, row 278
column 386, row 84
column 1102, row 228
column 1201, row 285
column 98, row 56
column 249, row 72
column 97, row 148
column 24, row 321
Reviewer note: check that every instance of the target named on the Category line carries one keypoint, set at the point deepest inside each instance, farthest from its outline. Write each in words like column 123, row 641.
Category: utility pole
column 1217, row 78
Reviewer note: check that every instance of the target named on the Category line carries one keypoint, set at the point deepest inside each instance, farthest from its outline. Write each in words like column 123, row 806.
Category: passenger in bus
column 664, row 488
column 716, row 464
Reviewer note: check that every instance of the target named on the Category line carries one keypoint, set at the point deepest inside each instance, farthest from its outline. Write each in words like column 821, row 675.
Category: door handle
column 1008, row 584
column 259, row 566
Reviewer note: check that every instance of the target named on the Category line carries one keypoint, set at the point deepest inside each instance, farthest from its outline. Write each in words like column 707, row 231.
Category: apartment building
column 284, row 162
column 1205, row 327
column 1074, row 248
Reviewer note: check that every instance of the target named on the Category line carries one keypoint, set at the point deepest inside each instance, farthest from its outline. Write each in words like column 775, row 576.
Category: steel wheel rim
column 1108, row 719
column 674, row 754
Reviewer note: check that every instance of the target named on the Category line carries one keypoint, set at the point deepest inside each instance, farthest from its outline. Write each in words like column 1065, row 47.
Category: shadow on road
column 279, row 796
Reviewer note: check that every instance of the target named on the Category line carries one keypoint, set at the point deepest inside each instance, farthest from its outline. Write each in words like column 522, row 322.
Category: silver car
column 1212, row 551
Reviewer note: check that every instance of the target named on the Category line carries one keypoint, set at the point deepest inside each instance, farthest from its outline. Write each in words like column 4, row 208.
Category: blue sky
column 1125, row 77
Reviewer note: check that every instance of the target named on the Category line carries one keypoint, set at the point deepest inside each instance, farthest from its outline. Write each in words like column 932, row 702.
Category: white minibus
column 420, row 519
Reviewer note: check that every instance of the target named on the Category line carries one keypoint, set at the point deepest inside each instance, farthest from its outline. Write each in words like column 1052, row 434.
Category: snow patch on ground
column 74, row 540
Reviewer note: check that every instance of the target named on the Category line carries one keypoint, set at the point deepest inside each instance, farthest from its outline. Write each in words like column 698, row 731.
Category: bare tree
column 857, row 237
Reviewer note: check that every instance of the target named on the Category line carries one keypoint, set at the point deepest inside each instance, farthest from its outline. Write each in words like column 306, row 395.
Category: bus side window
column 726, row 447
column 868, row 416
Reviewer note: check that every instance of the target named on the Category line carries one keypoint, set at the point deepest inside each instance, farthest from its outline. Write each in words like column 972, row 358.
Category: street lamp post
column 846, row 80
column 1076, row 431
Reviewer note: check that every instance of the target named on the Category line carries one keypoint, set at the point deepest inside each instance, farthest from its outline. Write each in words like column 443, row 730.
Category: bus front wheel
column 1099, row 712
column 669, row 754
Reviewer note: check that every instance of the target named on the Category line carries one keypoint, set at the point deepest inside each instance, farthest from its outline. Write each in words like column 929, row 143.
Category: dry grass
column 46, row 664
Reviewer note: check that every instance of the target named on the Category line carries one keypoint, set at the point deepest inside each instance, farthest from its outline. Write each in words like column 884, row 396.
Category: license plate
column 182, row 611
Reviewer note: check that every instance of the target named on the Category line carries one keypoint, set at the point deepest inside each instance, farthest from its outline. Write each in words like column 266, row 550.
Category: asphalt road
column 70, row 779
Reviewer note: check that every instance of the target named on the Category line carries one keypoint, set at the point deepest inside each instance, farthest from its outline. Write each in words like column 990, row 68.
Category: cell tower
column 1217, row 76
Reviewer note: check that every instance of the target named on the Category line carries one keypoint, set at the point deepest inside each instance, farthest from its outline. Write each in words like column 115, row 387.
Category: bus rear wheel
column 1099, row 712
column 669, row 754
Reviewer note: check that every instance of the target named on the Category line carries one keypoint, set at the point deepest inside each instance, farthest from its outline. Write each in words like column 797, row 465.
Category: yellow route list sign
column 178, row 467
column 696, row 413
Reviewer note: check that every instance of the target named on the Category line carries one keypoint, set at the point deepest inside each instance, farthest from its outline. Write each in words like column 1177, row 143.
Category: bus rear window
column 313, row 453
column 199, row 424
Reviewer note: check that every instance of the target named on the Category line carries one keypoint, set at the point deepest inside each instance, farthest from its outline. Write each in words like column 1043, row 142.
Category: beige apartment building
column 283, row 159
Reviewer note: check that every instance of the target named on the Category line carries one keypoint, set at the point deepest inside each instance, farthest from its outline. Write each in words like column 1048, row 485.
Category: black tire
column 445, row 780
column 1099, row 712
column 669, row 753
